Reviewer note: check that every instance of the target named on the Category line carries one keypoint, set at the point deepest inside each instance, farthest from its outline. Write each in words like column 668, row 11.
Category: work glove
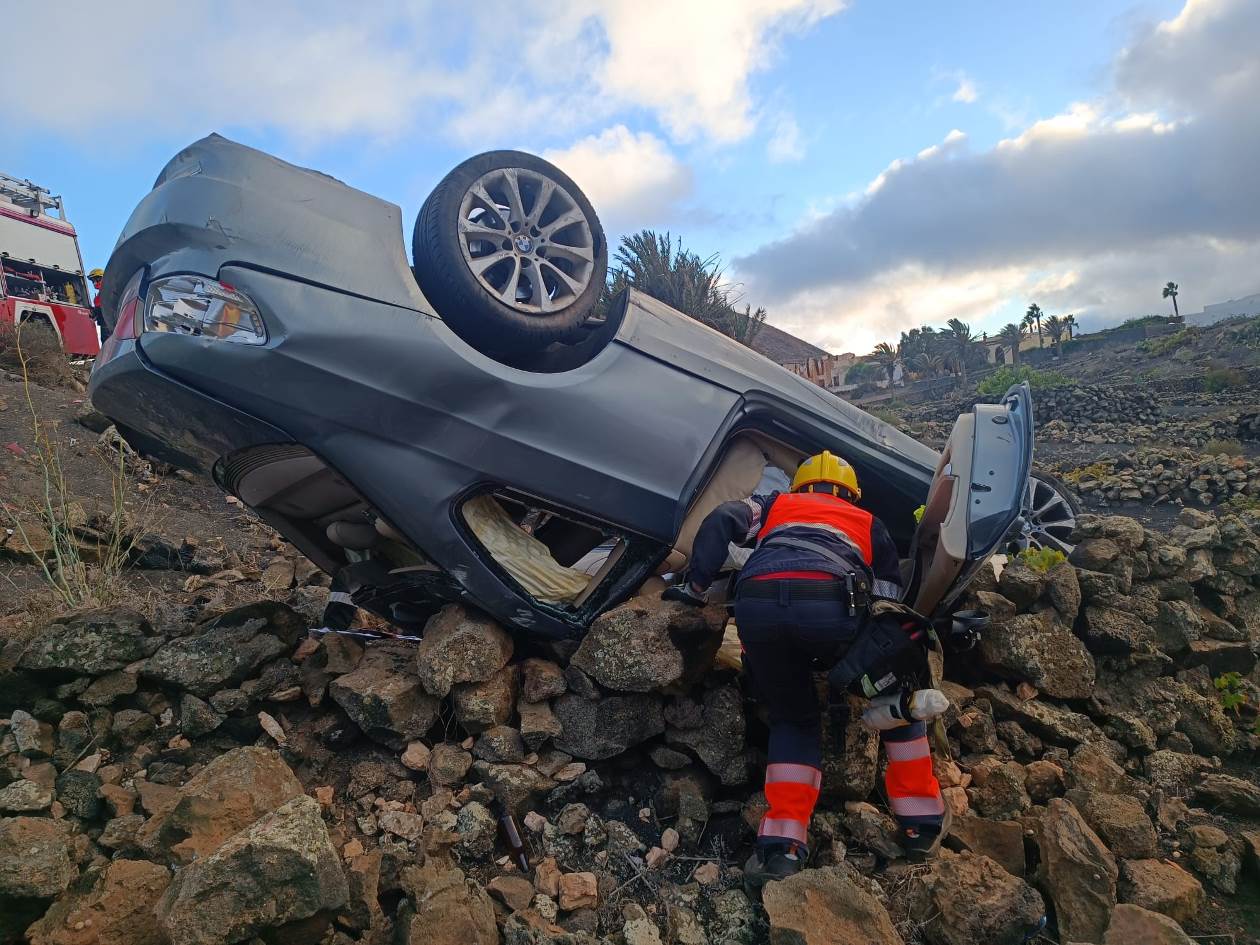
column 682, row 593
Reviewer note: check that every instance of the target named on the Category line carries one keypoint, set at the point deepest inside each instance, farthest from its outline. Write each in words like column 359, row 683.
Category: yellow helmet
column 97, row 273
column 826, row 467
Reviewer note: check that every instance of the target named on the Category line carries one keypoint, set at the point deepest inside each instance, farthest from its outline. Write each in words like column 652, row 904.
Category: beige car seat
column 523, row 556
column 735, row 478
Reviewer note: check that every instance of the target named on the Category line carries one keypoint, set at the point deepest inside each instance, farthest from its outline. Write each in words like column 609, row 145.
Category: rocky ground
column 229, row 778
column 181, row 761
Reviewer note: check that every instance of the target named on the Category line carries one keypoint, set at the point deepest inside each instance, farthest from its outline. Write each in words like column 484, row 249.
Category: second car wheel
column 510, row 252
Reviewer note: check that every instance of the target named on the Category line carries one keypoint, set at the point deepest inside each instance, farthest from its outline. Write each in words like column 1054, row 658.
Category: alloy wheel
column 1049, row 517
column 526, row 240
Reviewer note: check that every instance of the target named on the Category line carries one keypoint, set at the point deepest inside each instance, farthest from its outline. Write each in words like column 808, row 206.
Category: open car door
column 975, row 500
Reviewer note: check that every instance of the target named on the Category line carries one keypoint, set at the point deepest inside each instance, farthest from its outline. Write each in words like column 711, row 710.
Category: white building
column 1211, row 314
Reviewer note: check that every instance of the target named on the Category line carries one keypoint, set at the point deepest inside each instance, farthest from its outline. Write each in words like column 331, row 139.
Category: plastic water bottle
column 901, row 708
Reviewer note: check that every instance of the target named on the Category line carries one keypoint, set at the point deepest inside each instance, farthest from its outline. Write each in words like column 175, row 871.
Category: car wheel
column 510, row 252
column 1050, row 513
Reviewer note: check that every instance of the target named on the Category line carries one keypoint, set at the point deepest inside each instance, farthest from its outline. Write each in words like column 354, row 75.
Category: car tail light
column 127, row 325
column 195, row 305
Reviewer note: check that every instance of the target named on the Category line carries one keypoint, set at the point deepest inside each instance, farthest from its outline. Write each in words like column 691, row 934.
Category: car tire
column 510, row 252
column 1052, row 511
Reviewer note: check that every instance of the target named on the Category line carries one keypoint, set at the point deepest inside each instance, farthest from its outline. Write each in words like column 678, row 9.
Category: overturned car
column 470, row 427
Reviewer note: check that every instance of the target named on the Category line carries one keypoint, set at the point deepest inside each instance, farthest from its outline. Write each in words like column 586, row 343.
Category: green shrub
column 1246, row 334
column 1143, row 321
column 1244, row 503
column 1154, row 347
column 1221, row 379
column 996, row 383
column 1092, row 471
column 1228, row 447
column 1042, row 559
column 1231, row 692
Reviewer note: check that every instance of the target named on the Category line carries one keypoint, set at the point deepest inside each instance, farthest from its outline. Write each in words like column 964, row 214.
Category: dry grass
column 81, row 548
column 1217, row 447
column 34, row 352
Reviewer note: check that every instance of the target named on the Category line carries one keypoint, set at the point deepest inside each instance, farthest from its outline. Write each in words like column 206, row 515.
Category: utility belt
column 851, row 585
column 854, row 590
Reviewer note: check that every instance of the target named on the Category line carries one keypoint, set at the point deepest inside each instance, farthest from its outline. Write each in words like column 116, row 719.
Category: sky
column 861, row 167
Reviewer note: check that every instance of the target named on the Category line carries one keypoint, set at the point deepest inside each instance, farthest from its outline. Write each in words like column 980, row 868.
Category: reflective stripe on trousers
column 791, row 792
column 913, row 791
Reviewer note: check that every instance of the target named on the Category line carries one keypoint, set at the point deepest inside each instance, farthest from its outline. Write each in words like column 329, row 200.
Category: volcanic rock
column 1039, row 649
column 1225, row 792
column 383, row 695
column 826, row 907
column 538, row 723
column 999, row 840
column 1077, row 871
column 460, row 647
column 541, row 680
column 225, row 797
column 1054, row 724
column 116, row 910
column 1132, row 924
column 595, row 730
column 25, row 797
column 222, row 656
column 965, row 899
column 444, row 908
column 715, row 732
column 1122, row 823
column 648, row 644
column 35, row 858
column 280, row 869
column 482, row 705
column 1161, row 887
column 92, row 642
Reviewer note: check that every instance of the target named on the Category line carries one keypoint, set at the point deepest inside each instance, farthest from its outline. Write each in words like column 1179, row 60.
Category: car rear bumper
column 168, row 419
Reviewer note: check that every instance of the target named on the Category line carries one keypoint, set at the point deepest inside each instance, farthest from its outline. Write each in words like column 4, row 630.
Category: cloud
column 1153, row 181
column 785, row 142
column 301, row 68
column 632, row 179
column 321, row 69
column 690, row 62
column 966, row 91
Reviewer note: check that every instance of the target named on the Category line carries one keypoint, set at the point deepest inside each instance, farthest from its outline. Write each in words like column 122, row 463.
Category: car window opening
column 555, row 559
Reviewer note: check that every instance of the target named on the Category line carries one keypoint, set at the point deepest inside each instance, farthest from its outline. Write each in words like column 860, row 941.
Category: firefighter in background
column 96, row 276
column 804, row 598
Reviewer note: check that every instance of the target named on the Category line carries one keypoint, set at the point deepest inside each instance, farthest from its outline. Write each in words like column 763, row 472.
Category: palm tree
column 1071, row 323
column 663, row 269
column 1170, row 292
column 887, row 357
column 1056, row 327
column 1011, row 336
column 927, row 364
column 959, row 341
column 1034, row 316
column 746, row 324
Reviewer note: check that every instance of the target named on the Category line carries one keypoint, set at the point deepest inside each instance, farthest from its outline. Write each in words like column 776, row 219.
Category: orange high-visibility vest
column 821, row 510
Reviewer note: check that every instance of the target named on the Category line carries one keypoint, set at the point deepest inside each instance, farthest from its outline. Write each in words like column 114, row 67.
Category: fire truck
column 41, row 269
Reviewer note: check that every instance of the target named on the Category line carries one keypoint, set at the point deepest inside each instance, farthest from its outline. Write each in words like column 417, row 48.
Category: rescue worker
column 802, row 599
column 96, row 276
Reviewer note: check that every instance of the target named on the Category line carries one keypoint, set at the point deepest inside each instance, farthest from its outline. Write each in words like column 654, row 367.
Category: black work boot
column 923, row 843
column 770, row 863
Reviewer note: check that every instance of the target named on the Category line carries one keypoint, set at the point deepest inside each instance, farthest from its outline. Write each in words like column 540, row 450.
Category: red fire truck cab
column 41, row 269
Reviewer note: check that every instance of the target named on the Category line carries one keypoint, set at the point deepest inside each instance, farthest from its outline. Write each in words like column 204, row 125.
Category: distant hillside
column 781, row 347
